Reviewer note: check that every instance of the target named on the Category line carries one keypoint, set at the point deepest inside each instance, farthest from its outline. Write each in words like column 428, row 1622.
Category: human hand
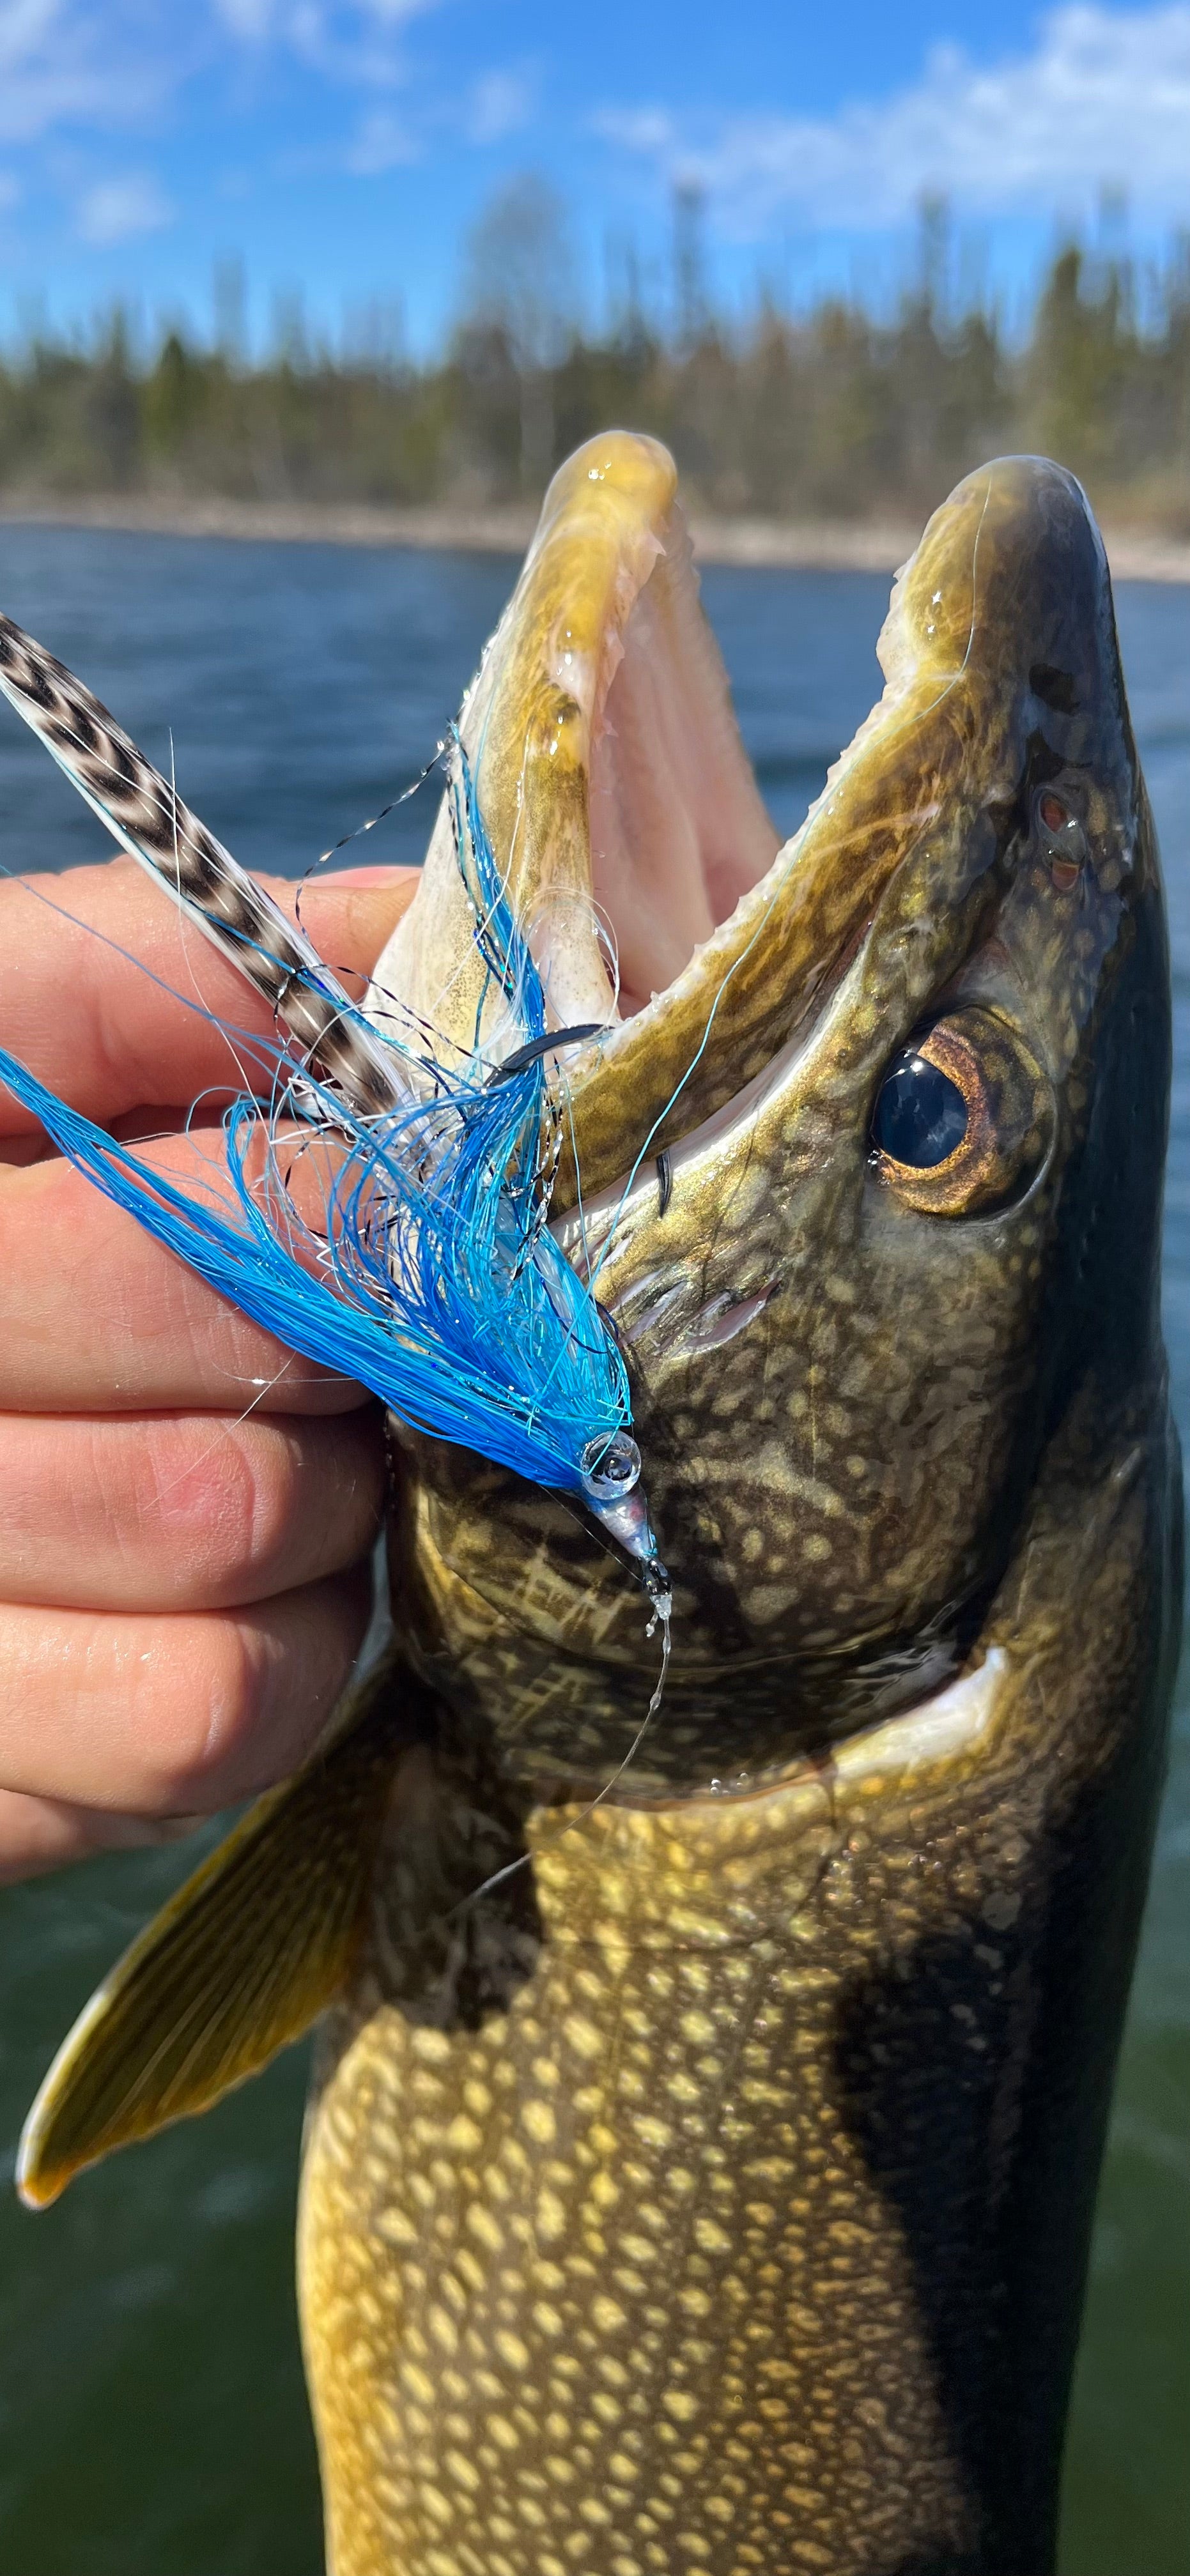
column 186, row 1509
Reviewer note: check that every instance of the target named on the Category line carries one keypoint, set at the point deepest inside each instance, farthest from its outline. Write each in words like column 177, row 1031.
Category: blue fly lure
column 427, row 1272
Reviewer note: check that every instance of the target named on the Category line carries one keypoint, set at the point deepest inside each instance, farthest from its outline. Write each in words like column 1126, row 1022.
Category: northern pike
column 703, row 2148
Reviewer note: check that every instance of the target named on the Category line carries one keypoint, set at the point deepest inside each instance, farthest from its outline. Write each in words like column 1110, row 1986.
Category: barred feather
column 148, row 818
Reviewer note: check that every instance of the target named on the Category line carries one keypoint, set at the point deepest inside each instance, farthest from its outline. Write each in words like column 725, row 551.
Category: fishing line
column 679, row 1087
column 402, row 798
column 548, row 1842
column 161, row 1493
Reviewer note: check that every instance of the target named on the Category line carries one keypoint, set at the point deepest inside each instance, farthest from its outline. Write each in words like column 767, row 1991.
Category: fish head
column 865, row 1173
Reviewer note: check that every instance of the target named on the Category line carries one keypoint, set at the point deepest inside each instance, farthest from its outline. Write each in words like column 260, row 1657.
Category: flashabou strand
column 426, row 1270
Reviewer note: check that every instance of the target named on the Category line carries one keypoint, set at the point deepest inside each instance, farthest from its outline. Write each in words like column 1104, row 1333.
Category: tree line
column 834, row 411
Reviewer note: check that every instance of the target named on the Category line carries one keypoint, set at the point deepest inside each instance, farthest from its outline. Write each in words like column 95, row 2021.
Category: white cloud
column 500, row 104
column 102, row 66
column 395, row 13
column 1102, row 100
column 249, row 20
column 63, row 62
column 383, row 142
column 115, row 209
column 361, row 46
column 319, row 28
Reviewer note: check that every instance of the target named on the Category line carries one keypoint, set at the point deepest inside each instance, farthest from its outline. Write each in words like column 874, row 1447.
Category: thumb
column 351, row 915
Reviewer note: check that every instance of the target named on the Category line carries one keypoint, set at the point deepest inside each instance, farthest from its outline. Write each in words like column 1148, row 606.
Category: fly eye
column 610, row 1468
column 1062, row 839
column 962, row 1118
column 921, row 1115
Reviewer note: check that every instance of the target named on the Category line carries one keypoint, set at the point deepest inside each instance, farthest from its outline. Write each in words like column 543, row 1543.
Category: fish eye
column 921, row 1115
column 1060, row 835
column 962, row 1118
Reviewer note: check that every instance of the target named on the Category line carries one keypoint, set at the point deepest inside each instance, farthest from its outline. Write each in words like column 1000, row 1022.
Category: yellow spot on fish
column 539, row 2120
column 417, row 2383
column 550, row 2215
column 433, row 2047
column 396, row 2228
column 463, row 2135
column 655, row 2133
column 436, row 2503
column 482, row 2224
column 464, row 2472
column 607, row 2316
column 710, row 2237
column 583, row 2035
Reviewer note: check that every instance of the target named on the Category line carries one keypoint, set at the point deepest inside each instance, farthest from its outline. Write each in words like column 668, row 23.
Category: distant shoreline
column 816, row 546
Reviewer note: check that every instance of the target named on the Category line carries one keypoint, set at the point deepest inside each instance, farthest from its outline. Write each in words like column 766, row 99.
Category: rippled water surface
column 152, row 2421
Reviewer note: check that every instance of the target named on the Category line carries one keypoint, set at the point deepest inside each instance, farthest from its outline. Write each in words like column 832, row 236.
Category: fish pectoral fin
column 246, row 1955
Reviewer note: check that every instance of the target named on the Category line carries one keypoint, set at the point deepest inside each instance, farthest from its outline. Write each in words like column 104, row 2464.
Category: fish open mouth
column 637, row 850
column 678, row 832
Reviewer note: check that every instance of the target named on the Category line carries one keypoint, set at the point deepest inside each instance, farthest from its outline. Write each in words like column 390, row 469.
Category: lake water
column 152, row 2418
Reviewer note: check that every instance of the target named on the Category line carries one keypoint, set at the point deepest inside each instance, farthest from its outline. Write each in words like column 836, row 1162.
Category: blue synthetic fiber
column 430, row 1276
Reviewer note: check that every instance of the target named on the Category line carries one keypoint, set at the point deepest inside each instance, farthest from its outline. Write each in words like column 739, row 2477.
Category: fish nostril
column 1062, row 838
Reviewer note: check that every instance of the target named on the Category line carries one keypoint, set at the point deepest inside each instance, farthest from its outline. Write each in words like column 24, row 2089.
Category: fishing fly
column 425, row 1269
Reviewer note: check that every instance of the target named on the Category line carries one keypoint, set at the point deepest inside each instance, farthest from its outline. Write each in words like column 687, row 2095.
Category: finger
column 172, row 1716
column 112, row 996
column 96, row 1316
column 182, row 1512
column 38, row 1834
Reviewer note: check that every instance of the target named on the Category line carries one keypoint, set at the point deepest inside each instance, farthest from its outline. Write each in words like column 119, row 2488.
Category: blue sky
column 344, row 147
